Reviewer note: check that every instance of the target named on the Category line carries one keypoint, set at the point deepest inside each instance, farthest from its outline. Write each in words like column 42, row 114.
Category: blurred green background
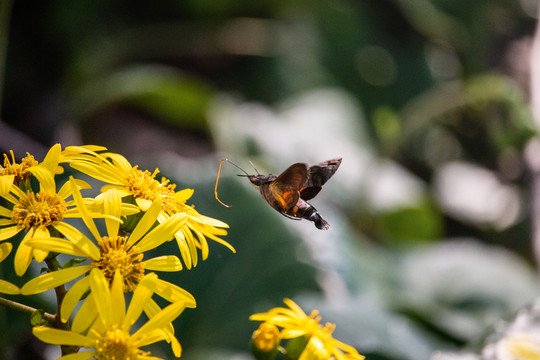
column 430, row 244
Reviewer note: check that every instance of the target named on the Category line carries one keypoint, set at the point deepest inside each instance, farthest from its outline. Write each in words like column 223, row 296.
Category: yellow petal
column 203, row 244
column 86, row 315
column 294, row 307
column 120, row 188
column 183, row 195
column 119, row 161
column 99, row 172
column 192, row 245
column 65, row 190
column 9, row 288
column 176, row 347
column 53, row 279
column 143, row 292
column 163, row 263
column 147, row 221
column 220, row 241
column 117, row 297
column 112, row 205
column 5, row 222
column 81, row 241
column 6, row 212
column 129, row 209
column 6, row 181
column 85, row 214
column 162, row 233
column 208, row 220
column 144, row 204
column 77, row 150
column 180, row 237
column 5, row 250
column 72, row 297
column 52, row 158
column 58, row 245
column 151, row 309
column 173, row 293
column 40, row 254
column 45, row 178
column 61, row 337
column 102, row 295
column 141, row 339
column 160, row 320
column 8, row 232
column 23, row 257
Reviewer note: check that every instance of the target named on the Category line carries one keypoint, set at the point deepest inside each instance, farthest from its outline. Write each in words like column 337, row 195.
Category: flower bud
column 265, row 342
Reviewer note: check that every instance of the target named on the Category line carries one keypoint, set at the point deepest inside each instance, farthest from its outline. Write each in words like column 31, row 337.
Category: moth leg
column 289, row 216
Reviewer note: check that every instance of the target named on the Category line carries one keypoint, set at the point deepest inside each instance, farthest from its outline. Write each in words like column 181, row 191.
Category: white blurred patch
column 391, row 186
column 476, row 195
column 314, row 127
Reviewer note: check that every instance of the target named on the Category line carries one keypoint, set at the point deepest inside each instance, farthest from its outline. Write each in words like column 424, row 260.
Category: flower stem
column 52, row 264
column 24, row 308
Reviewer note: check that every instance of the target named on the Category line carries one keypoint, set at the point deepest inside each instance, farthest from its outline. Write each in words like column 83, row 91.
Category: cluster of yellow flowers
column 139, row 213
column 307, row 339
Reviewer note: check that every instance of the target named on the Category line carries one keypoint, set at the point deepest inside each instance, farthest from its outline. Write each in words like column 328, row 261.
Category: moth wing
column 282, row 199
column 283, row 192
column 293, row 177
column 317, row 176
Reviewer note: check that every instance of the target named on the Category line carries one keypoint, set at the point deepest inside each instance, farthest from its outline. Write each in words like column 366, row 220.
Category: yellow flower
column 322, row 346
column 13, row 173
column 519, row 346
column 37, row 214
column 294, row 323
column 19, row 174
column 143, row 186
column 113, row 253
column 111, row 336
column 292, row 320
column 7, row 287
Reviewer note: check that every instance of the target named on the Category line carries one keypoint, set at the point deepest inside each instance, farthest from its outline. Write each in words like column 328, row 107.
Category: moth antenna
column 257, row 171
column 215, row 188
column 230, row 162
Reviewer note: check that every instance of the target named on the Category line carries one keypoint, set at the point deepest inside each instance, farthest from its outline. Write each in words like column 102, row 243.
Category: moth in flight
column 289, row 192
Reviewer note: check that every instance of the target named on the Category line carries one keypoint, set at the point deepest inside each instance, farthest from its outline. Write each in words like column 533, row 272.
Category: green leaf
column 38, row 318
column 73, row 262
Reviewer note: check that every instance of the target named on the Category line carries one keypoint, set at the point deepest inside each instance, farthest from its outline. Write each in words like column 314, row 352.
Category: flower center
column 39, row 210
column 143, row 185
column 116, row 344
column 116, row 255
column 19, row 170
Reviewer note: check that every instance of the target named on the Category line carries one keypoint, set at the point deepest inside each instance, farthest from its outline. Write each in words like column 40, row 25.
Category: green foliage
column 37, row 318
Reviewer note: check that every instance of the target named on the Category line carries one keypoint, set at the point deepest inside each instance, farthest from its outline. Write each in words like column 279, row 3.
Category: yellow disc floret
column 19, row 170
column 116, row 344
column 144, row 185
column 116, row 255
column 39, row 210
